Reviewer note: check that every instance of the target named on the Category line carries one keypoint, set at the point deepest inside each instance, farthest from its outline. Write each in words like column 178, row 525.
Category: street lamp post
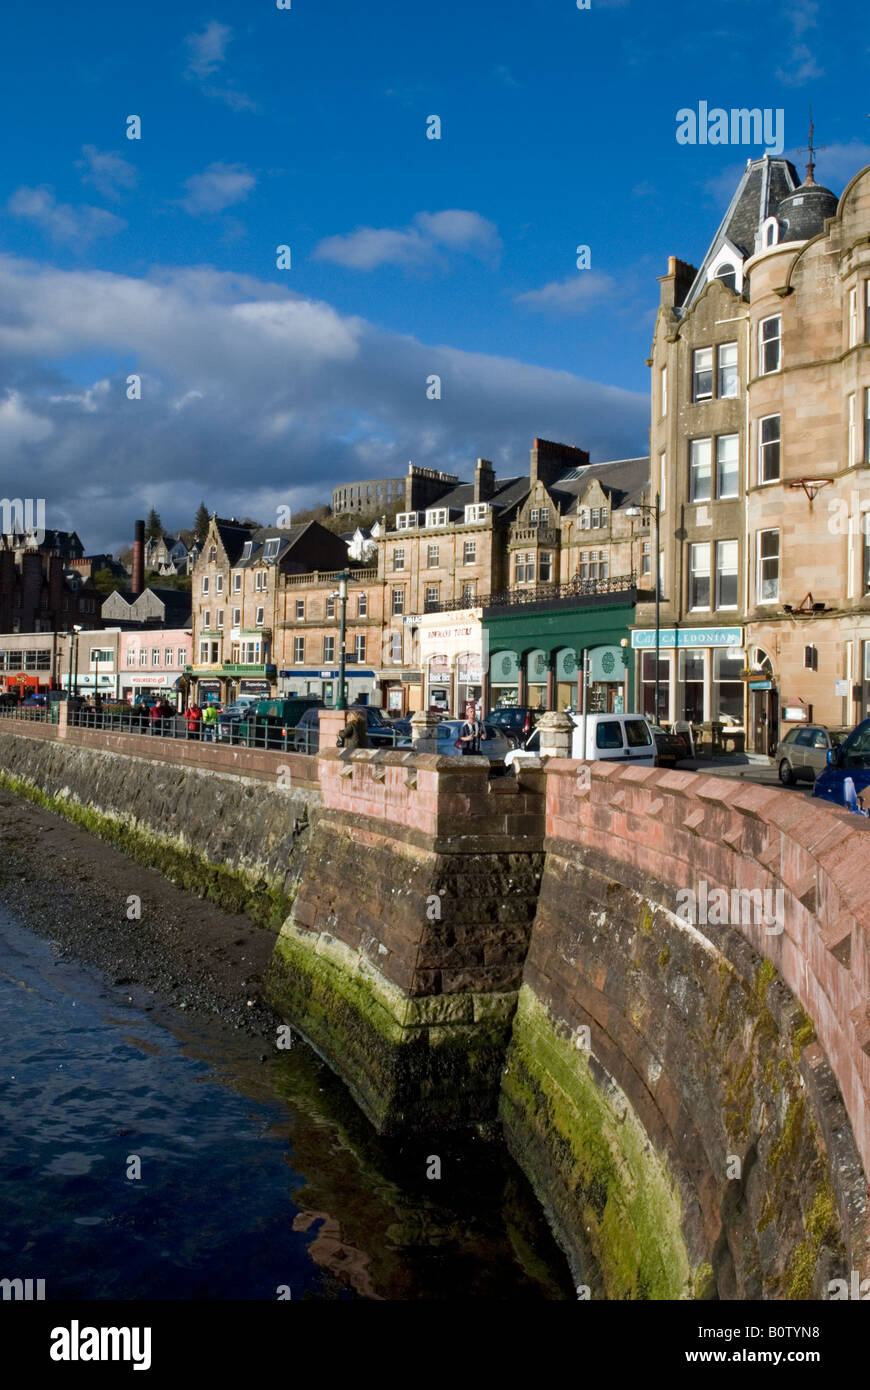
column 653, row 509
column 76, row 631
column 340, row 702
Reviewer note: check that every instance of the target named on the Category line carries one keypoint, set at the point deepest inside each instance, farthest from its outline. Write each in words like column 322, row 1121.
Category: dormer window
column 770, row 232
column 436, row 516
column 406, row 521
column 272, row 546
column 246, row 550
column 476, row 512
column 728, row 275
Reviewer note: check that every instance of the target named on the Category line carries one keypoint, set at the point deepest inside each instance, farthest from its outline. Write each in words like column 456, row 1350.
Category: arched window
column 770, row 232
column 728, row 275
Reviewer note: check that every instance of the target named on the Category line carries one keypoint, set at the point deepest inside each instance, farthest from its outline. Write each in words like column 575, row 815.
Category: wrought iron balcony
column 540, row 593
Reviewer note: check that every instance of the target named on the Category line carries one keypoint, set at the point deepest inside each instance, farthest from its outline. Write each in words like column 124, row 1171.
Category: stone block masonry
column 216, row 824
column 403, row 955
column 671, row 1088
column 688, row 1096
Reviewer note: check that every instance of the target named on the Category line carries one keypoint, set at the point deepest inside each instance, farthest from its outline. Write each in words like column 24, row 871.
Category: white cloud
column 208, row 49
column 574, row 295
column 802, row 67
column 218, row 187
column 108, row 172
column 60, row 220
column 418, row 245
column 239, row 370
column 19, row 425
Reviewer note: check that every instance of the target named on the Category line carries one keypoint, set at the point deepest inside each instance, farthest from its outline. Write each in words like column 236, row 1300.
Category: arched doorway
column 763, row 703
column 504, row 680
column 537, row 664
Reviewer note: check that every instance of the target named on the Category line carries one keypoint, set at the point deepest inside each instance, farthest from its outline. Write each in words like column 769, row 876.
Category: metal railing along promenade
column 231, row 733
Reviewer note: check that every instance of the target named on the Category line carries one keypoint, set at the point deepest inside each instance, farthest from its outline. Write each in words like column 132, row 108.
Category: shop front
column 451, row 652
column 539, row 651
column 321, row 683
column 701, row 674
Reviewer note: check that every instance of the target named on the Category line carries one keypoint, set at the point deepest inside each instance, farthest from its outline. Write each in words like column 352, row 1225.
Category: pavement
column 750, row 767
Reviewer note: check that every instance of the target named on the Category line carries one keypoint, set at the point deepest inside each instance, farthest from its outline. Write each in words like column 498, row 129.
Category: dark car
column 671, row 748
column 380, row 732
column 849, row 761
column 515, row 722
column 231, row 716
column 271, row 723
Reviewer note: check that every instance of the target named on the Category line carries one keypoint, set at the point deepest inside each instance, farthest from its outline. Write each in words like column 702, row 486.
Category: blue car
column 851, row 759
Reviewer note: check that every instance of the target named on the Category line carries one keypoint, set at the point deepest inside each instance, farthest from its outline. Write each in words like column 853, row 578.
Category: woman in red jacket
column 194, row 718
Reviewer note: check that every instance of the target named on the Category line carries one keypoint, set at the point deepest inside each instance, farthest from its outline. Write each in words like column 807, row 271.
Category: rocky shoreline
column 74, row 889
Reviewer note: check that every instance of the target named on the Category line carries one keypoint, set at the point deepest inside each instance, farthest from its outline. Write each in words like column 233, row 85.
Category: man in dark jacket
column 354, row 734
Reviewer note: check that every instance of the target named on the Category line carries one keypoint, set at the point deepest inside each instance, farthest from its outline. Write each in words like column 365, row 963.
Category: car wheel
column 786, row 775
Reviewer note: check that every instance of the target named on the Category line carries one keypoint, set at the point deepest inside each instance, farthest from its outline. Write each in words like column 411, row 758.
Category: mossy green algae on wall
column 412, row 1063
column 615, row 1208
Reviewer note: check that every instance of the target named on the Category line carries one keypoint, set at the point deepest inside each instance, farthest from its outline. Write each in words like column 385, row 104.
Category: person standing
column 209, row 720
column 471, row 731
column 194, row 718
column 354, row 734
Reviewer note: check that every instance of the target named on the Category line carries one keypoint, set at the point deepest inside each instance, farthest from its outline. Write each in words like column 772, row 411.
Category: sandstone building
column 760, row 446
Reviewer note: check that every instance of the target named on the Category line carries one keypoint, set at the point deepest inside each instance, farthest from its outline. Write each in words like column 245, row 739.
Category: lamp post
column 341, row 593
column 653, row 509
column 76, row 631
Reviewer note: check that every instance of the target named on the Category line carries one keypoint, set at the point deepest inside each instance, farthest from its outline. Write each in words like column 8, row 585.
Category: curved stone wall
column 675, row 1089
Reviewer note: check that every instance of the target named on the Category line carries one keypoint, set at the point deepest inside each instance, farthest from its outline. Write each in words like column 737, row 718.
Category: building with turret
column 760, row 458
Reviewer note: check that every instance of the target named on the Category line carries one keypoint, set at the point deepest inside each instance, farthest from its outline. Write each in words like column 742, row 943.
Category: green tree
column 105, row 582
column 200, row 525
column 153, row 526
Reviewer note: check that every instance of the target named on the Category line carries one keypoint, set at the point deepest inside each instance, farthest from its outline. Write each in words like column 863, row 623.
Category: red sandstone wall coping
column 438, row 796
column 259, row 764
column 679, row 828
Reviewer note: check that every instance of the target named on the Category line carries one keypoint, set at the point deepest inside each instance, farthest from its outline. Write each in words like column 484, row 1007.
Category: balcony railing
column 539, row 593
column 330, row 577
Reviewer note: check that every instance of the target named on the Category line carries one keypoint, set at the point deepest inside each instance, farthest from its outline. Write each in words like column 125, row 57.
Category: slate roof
column 763, row 185
column 624, row 480
column 233, row 535
column 287, row 535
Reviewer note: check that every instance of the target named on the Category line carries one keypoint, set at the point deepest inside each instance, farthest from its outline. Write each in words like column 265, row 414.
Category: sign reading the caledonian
column 688, row 637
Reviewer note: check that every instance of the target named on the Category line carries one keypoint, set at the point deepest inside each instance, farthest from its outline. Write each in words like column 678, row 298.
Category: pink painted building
column 152, row 660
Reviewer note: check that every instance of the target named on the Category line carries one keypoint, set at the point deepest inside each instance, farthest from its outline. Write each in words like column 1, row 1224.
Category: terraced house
column 237, row 583
column 760, row 445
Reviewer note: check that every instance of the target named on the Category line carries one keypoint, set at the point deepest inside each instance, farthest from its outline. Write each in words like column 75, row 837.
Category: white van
column 600, row 738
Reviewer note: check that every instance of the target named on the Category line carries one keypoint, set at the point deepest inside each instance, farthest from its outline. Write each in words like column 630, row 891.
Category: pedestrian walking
column 209, row 721
column 194, row 720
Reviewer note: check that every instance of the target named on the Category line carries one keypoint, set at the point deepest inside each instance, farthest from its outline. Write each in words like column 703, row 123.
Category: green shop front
column 537, row 652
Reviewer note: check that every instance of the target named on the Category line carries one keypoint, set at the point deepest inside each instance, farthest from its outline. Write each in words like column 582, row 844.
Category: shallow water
column 255, row 1174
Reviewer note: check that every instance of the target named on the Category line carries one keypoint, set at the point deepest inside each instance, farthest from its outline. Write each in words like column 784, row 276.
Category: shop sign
column 254, row 688
column 645, row 638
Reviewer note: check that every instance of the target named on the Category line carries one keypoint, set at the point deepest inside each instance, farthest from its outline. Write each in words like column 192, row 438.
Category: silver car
column 803, row 753
column 493, row 745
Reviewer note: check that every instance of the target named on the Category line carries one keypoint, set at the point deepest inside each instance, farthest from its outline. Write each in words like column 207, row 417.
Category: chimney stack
column 138, row 581
column 484, row 481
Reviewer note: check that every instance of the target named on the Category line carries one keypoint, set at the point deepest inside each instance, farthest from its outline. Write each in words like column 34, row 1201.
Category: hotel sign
column 645, row 638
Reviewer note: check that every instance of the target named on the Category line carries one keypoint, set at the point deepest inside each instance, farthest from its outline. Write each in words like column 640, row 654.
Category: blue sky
column 307, row 127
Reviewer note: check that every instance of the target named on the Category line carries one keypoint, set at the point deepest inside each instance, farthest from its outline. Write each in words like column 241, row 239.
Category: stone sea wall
column 238, row 837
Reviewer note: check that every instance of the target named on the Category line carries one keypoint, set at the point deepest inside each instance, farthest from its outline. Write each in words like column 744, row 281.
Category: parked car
column 271, row 723
column 515, row 722
column 848, row 760
column 604, row 737
column 607, row 737
column 803, row 753
column 231, row 715
column 380, row 731
column 494, row 745
column 32, row 701
column 671, row 748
